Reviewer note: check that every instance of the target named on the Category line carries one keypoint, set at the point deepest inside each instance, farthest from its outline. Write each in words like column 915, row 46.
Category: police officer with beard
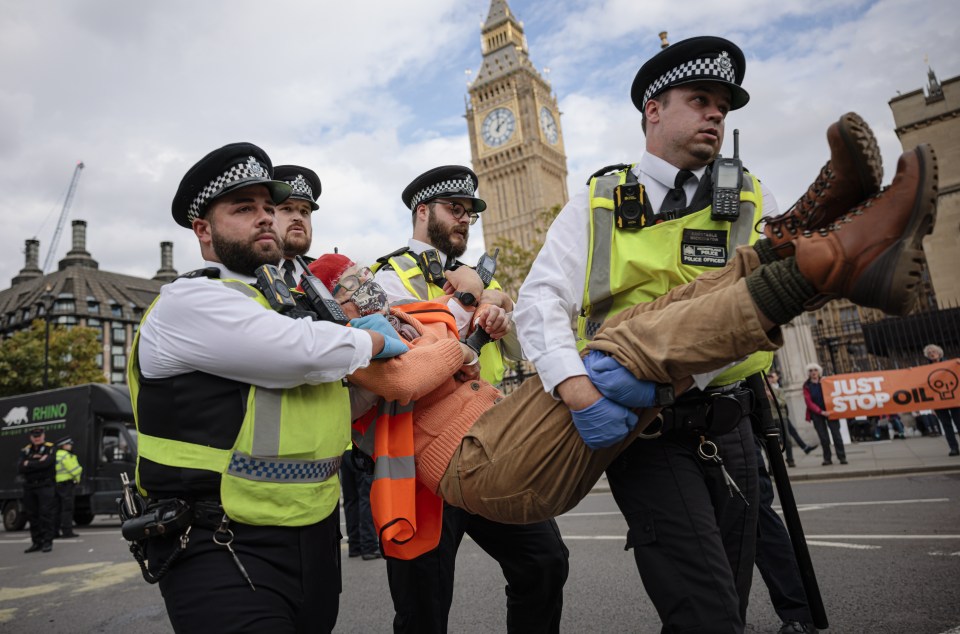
column 294, row 217
column 533, row 557
column 242, row 416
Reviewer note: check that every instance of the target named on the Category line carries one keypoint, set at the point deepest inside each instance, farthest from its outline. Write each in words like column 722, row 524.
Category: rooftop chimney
column 78, row 255
column 166, row 273
column 32, row 268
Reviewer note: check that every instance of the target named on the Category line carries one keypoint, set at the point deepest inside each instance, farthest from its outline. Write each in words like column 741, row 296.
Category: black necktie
column 676, row 197
column 289, row 276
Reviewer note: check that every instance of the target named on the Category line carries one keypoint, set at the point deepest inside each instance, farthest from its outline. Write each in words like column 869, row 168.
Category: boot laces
column 804, row 212
column 848, row 217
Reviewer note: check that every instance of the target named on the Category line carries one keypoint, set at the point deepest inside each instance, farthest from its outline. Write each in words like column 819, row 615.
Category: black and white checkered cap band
column 719, row 67
column 453, row 186
column 301, row 188
column 251, row 170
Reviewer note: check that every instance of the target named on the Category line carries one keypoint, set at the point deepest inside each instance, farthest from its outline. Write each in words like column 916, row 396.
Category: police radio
column 274, row 288
column 727, row 182
column 628, row 204
column 431, row 267
column 487, row 266
column 321, row 301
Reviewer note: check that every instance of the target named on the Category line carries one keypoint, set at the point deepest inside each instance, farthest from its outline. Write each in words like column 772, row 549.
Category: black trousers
column 693, row 542
column 948, row 418
column 533, row 558
column 296, row 572
column 825, row 429
column 63, row 523
column 775, row 559
column 361, row 533
column 40, row 505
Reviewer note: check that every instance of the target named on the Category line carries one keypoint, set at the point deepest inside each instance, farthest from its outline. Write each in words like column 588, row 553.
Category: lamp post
column 47, row 299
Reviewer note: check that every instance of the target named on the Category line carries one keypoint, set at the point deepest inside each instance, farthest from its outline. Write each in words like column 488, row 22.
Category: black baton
column 770, row 433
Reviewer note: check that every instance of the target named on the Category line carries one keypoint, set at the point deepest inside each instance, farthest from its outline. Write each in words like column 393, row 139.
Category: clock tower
column 516, row 143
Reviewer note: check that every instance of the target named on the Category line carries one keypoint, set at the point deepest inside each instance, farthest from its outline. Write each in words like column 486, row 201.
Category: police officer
column 693, row 540
column 241, row 414
column 37, row 464
column 533, row 557
column 68, row 476
column 293, row 217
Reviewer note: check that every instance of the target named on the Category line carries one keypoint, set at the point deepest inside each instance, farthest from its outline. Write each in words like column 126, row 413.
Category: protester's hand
column 497, row 298
column 617, row 383
column 492, row 319
column 468, row 372
column 465, row 280
column 604, row 423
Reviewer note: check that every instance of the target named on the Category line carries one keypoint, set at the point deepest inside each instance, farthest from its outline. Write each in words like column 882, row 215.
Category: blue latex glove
column 617, row 383
column 604, row 423
column 393, row 345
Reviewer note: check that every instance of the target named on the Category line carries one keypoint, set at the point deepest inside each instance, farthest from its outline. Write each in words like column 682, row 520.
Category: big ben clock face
column 549, row 126
column 498, row 127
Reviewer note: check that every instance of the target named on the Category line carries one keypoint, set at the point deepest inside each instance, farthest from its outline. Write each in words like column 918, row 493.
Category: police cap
column 696, row 59
column 447, row 181
column 66, row 440
column 35, row 431
column 304, row 182
column 224, row 170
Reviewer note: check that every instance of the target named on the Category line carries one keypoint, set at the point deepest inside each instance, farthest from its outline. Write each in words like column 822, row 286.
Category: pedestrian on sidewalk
column 949, row 416
column 775, row 392
column 817, row 413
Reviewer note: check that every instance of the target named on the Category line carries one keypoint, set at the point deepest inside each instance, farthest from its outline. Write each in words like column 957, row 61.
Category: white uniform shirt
column 550, row 298
column 201, row 324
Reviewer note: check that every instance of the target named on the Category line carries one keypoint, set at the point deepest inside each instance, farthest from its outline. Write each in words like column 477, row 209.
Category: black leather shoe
column 371, row 556
column 796, row 627
column 954, row 452
column 809, row 448
column 34, row 547
column 826, row 462
column 47, row 547
column 843, row 461
column 791, row 463
column 69, row 535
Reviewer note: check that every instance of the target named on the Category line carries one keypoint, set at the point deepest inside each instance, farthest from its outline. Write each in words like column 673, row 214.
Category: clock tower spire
column 516, row 143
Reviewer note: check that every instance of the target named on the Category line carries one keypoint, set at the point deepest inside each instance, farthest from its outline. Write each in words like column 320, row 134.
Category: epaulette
column 619, row 167
column 48, row 444
column 211, row 271
column 384, row 261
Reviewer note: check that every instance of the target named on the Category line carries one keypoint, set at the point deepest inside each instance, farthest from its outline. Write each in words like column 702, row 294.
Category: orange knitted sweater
column 444, row 408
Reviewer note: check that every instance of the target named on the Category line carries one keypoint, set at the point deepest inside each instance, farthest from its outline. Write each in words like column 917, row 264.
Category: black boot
column 34, row 547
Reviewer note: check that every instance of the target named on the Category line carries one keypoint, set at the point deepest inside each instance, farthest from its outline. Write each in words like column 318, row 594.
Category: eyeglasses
column 352, row 282
column 459, row 210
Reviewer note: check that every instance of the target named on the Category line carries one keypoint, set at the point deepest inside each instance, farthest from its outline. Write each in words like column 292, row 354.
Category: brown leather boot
column 873, row 254
column 853, row 174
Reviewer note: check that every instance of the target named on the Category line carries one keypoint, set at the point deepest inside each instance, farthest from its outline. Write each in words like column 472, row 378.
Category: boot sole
column 892, row 282
column 860, row 142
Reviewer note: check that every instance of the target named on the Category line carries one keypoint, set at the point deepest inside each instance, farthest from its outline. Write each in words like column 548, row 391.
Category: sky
column 370, row 94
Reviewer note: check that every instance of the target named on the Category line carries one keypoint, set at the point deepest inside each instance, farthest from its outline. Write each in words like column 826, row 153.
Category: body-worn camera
column 628, row 206
column 274, row 288
column 431, row 267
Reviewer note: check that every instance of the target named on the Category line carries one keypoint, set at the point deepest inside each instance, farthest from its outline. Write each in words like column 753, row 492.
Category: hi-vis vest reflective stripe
column 68, row 466
column 625, row 268
column 279, row 470
column 407, row 269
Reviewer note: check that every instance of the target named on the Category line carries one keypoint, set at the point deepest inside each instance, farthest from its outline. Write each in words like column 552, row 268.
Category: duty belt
column 698, row 412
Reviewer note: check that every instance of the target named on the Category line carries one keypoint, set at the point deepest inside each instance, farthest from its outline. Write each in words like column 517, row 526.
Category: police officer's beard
column 440, row 236
column 295, row 244
column 244, row 257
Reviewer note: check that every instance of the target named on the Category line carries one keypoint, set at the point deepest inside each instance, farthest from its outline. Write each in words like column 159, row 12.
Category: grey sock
column 779, row 290
column 764, row 251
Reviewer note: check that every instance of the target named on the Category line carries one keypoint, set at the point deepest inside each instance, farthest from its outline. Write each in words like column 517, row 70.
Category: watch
column 466, row 298
column 498, row 127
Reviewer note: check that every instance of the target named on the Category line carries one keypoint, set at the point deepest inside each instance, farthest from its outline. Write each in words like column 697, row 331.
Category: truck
column 99, row 419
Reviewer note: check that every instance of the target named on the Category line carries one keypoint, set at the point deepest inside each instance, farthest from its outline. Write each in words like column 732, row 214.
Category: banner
column 863, row 394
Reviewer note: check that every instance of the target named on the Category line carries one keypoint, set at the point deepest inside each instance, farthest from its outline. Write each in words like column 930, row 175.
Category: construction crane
column 63, row 218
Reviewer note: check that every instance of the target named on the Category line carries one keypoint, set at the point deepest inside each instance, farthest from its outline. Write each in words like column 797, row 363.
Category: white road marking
column 825, row 505
column 811, row 542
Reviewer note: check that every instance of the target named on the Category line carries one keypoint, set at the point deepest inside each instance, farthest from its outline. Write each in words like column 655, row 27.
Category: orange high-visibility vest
column 407, row 515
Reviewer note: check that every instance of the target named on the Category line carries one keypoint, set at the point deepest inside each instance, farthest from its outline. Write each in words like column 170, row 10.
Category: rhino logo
column 16, row 416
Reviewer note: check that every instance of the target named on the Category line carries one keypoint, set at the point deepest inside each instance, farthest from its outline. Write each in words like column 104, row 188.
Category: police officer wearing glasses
column 444, row 205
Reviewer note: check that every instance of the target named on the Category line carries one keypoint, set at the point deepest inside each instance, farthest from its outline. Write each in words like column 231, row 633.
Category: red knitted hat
column 329, row 267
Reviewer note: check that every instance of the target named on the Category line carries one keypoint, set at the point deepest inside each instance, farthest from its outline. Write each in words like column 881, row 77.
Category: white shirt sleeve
column 203, row 325
column 550, row 297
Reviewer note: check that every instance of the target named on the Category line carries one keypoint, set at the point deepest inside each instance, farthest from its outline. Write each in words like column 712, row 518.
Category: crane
column 63, row 217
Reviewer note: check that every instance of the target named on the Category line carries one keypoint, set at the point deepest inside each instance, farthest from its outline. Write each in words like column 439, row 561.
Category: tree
column 72, row 358
column 514, row 261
